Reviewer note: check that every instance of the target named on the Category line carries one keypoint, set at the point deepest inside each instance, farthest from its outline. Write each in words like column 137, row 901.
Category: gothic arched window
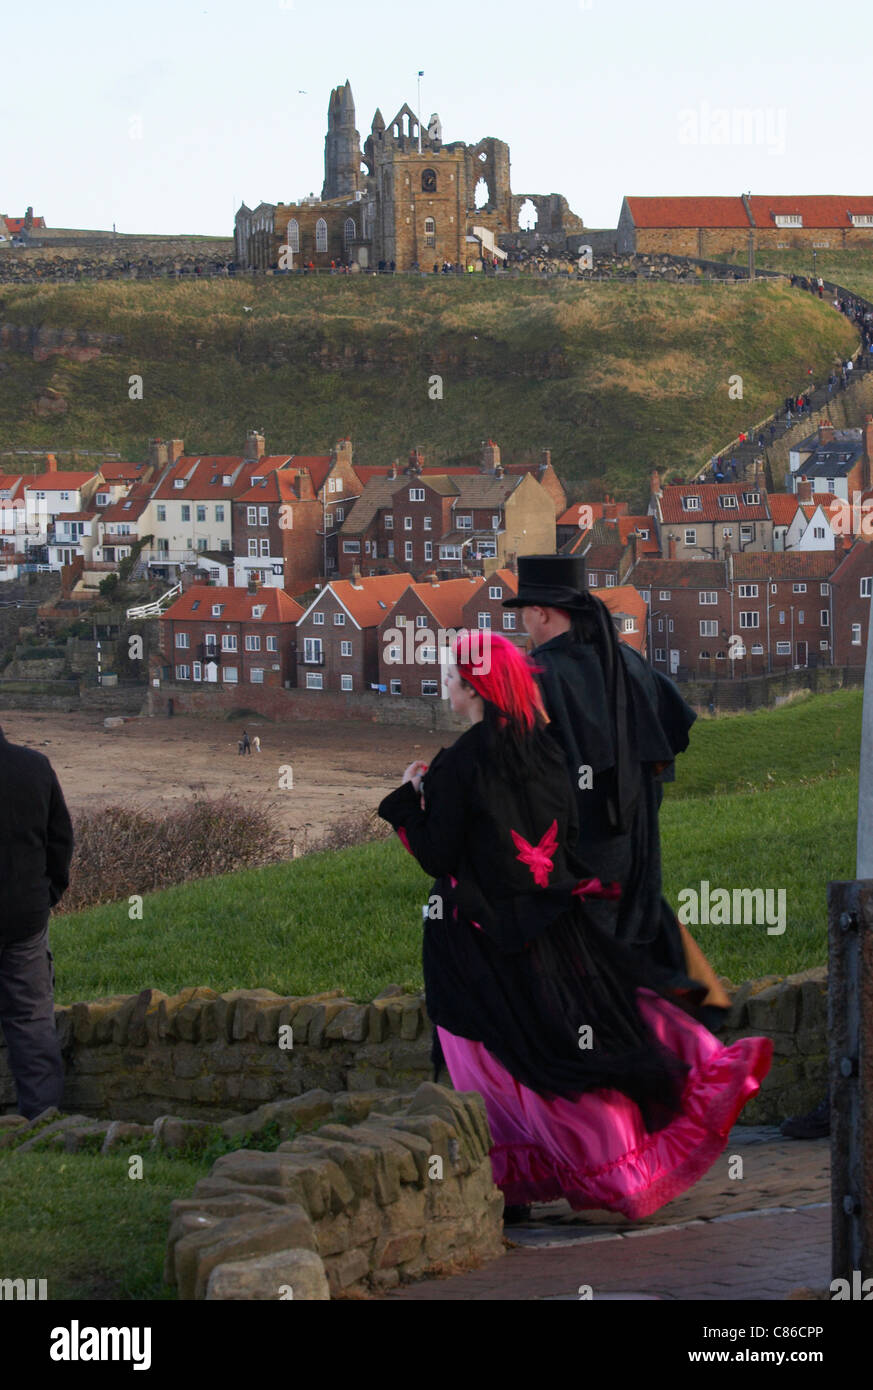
column 429, row 232
column 428, row 181
column 349, row 232
column 294, row 235
column 321, row 235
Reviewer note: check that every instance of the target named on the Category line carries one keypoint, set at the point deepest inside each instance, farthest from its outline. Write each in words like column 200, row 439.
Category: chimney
column 655, row 483
column 254, row 584
column 342, row 451
column 825, row 432
column 28, row 218
column 176, row 449
column 254, row 445
column 804, row 490
column 356, row 577
column 546, row 458
column 305, row 489
column 158, row 457
column 671, row 548
column 490, row 456
column 416, row 460
column 51, row 463
column 392, row 472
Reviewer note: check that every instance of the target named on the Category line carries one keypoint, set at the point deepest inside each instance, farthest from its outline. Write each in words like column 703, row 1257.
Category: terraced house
column 337, row 635
column 217, row 635
column 701, row 521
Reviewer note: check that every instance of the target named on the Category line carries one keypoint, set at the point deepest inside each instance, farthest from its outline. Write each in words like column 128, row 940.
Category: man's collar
column 563, row 639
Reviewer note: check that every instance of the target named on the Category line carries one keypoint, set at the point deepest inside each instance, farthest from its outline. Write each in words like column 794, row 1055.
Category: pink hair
column 501, row 673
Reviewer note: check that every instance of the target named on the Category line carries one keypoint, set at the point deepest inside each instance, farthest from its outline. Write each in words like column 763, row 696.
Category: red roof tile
column 817, row 210
column 237, row 605
column 688, row 212
column 783, row 507
column 672, row 511
column 784, row 564
column 362, row 600
column 59, row 482
column 678, row 574
column 446, row 599
column 624, row 598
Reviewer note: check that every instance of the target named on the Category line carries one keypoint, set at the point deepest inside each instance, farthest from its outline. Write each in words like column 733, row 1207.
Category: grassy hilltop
column 614, row 378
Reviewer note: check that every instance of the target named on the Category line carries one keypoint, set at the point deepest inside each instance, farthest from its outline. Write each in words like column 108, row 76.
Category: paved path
column 756, row 1235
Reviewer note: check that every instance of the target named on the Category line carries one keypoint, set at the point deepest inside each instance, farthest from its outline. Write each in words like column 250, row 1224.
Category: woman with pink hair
column 600, row 1085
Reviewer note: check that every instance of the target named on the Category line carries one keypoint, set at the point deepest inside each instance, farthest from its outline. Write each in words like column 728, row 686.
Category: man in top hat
column 621, row 725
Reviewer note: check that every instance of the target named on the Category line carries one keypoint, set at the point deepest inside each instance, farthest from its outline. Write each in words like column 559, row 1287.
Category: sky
column 163, row 117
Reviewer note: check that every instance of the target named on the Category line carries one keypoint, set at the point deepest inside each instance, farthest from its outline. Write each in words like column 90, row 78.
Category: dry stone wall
column 204, row 1055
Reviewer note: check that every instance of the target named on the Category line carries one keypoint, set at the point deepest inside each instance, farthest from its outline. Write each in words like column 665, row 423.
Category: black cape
column 537, row 968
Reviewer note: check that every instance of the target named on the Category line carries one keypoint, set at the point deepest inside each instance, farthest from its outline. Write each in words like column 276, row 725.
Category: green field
column 614, row 378
column 763, row 800
column 851, row 269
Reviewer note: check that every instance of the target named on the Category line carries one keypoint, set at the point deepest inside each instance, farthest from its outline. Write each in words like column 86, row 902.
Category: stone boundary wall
column 280, row 704
column 760, row 692
column 203, row 1055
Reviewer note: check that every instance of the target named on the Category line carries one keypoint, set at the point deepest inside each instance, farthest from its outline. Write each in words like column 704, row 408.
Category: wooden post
column 850, row 1038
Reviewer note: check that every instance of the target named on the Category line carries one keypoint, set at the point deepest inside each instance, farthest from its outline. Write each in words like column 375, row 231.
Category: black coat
column 652, row 732
column 513, row 962
column 36, row 841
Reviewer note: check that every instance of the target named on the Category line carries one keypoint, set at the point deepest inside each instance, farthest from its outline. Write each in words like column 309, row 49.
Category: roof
column 678, row 574
column 446, row 598
column 626, row 601
column 17, row 224
column 672, row 511
column 369, row 600
column 204, row 476
column 130, row 507
column 821, row 499
column 817, row 210
column 688, row 212
column 195, row 605
column 59, row 482
column 783, row 507
column 603, row 557
column 378, row 493
column 12, row 483
column 829, row 461
column 858, row 560
column 122, row 472
column 784, row 564
column 77, row 516
column 812, row 441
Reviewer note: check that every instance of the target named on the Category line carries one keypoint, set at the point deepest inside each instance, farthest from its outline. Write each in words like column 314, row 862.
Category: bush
column 357, row 828
column 120, row 851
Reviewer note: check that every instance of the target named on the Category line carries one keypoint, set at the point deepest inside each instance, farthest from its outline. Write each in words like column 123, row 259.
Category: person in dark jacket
column 36, row 847
column 621, row 725
column 584, row 1062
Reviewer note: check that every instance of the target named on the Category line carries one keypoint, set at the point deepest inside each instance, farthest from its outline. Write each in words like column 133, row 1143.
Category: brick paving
column 757, row 1235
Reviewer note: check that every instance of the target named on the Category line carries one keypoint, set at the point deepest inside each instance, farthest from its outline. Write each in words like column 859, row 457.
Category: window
column 750, row 619
column 253, row 547
column 774, row 589
column 272, row 644
column 856, row 634
column 464, row 523
column 162, row 512
column 251, row 516
column 349, row 231
column 824, row 618
column 312, row 651
column 211, row 640
column 186, row 512
column 664, row 596
column 748, row 591
column 263, row 516
column 351, row 547
column 824, row 589
column 788, row 219
column 752, row 499
column 708, row 628
column 201, row 512
column 866, row 586
column 801, row 616
column 230, row 675
column 389, row 521
column 217, row 610
column 823, row 646
column 198, row 671
column 426, row 655
column 495, row 522
column 690, row 536
column 610, row 581
column 660, row 624
column 345, row 648
column 321, row 235
column 729, row 503
column 509, row 621
column 484, row 620
column 727, row 533
column 253, row 644
column 182, row 639
column 407, row 550
column 346, row 683
column 228, row 641
column 219, row 512
column 314, row 680
column 430, row 688
column 593, row 580
column 407, row 523
column 691, row 504
column 225, row 545
column 757, row 649
column 645, row 595
column 396, row 687
column 416, row 494
column 428, row 523
column 660, row 654
column 798, row 588
column 265, row 546
column 783, row 648
column 747, row 533
column 428, row 185
column 495, row 591
column 708, row 596
column 339, row 619
column 818, row 533
column 390, row 550
column 183, row 673
column 256, row 675
column 782, row 615
column 450, row 552
column 318, row 619
column 293, row 235
column 428, row 550
column 429, row 229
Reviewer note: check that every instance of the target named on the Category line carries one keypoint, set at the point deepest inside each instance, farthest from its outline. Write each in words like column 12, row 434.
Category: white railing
column 155, row 609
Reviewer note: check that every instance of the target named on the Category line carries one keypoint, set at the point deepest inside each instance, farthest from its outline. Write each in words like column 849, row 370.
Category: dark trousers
column 27, row 982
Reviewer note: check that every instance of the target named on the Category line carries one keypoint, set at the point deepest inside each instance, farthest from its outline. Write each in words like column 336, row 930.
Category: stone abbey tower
column 406, row 197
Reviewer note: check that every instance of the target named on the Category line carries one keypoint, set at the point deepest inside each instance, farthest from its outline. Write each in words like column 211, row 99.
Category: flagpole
column 420, row 76
column 864, row 867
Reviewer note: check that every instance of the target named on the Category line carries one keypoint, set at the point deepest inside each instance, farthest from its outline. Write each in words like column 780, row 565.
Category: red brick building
column 338, row 634
column 852, row 585
column 417, row 626
column 231, row 637
column 689, row 616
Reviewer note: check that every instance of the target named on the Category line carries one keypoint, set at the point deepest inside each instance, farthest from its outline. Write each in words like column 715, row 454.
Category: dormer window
column 752, row 499
column 691, row 504
column 217, row 610
column 225, row 480
column 179, row 482
column 729, row 503
column 861, row 219
column 788, row 219
column 259, row 610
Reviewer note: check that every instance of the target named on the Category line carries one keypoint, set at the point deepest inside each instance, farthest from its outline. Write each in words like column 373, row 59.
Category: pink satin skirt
column 595, row 1152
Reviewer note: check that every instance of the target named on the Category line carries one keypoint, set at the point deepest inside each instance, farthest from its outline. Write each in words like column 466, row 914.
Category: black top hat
column 553, row 581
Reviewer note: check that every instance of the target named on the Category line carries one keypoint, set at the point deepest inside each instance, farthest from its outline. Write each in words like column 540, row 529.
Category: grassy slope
column 764, row 800
column 851, row 269
column 615, row 378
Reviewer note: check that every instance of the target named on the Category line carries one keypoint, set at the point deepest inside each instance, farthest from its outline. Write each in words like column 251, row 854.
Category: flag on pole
column 421, row 74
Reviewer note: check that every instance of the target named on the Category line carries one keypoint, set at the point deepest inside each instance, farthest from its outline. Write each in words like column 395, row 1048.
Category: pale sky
column 163, row 116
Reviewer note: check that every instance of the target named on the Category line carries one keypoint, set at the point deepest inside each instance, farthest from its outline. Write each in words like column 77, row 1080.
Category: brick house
column 489, row 457
column 414, row 629
column 458, row 524
column 338, row 634
column 702, row 519
column 629, row 612
column 852, row 586
column 782, row 609
column 231, row 637
column 711, row 226
column 689, row 615
column 484, row 608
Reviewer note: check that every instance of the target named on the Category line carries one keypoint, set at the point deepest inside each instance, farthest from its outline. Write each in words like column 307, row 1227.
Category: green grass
column 762, row 800
column 614, row 378
column 80, row 1222
column 851, row 269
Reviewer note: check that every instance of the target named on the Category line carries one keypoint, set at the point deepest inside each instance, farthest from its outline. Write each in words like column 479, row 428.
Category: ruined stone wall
column 199, row 1054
